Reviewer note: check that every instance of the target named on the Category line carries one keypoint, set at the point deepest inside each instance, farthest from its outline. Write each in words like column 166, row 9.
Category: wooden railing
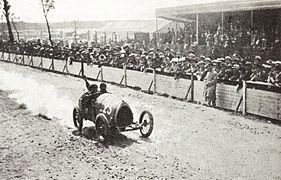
column 246, row 100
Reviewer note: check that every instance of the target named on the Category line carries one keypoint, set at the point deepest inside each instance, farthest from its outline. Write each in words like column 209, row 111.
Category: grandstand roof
column 217, row 6
column 131, row 26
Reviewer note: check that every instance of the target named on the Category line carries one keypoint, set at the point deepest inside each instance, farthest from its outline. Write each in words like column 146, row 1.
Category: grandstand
column 261, row 18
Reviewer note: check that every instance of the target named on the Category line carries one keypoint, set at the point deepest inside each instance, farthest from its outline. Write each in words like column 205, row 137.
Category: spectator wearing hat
column 222, row 72
column 257, row 60
column 199, row 69
column 228, row 60
column 235, row 73
column 272, row 74
column 274, row 77
column 227, row 73
column 277, row 80
column 210, row 85
column 258, row 74
column 143, row 63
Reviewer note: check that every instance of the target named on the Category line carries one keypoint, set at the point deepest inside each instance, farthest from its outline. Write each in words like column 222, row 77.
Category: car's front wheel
column 146, row 123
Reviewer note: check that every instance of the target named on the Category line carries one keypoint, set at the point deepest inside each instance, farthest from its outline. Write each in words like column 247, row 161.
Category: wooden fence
column 245, row 100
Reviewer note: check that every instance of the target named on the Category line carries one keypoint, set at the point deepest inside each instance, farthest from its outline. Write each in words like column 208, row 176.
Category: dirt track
column 189, row 141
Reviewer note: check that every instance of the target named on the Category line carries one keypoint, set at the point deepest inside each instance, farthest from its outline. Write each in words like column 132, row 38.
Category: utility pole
column 96, row 37
column 105, row 37
column 89, row 35
column 75, row 32
column 3, row 28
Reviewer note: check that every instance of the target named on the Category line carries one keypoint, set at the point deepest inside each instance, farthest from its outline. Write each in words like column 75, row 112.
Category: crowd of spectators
column 222, row 41
column 231, row 68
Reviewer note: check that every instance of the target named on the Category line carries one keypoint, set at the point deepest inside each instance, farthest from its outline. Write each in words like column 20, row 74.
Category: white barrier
column 257, row 102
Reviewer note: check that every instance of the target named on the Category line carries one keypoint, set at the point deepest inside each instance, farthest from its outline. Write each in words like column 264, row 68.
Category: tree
column 47, row 5
column 6, row 9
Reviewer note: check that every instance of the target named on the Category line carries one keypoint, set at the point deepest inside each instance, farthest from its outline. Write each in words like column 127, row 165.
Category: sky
column 87, row 10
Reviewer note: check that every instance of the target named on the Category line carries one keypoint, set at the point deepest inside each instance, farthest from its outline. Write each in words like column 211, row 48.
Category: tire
column 102, row 127
column 77, row 119
column 146, row 123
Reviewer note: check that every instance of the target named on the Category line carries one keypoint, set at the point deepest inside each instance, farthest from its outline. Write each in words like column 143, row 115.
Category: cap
column 257, row 58
column 235, row 66
column 201, row 62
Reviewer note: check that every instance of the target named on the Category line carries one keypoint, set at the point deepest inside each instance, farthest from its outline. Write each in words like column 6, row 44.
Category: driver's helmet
column 103, row 87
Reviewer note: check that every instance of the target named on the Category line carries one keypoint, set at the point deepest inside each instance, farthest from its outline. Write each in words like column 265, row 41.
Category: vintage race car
column 109, row 112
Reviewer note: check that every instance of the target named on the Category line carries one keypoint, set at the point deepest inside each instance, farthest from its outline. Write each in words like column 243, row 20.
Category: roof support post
column 197, row 29
column 157, row 33
column 176, row 34
column 222, row 22
column 252, row 25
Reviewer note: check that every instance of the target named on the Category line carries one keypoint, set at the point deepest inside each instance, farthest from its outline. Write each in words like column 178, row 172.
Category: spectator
column 210, row 85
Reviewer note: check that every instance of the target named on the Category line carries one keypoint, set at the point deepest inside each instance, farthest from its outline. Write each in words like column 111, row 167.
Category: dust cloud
column 39, row 97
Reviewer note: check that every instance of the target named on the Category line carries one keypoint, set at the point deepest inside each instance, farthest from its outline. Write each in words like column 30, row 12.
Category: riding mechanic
column 90, row 97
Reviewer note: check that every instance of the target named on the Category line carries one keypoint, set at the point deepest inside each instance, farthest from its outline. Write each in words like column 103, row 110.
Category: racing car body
column 109, row 111
column 117, row 111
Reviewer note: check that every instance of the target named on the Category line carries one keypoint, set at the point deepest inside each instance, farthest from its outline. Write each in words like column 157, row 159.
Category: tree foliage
column 6, row 8
column 47, row 5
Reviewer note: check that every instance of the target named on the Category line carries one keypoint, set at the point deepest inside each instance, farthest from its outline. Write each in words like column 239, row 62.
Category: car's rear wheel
column 146, row 123
column 77, row 119
column 102, row 127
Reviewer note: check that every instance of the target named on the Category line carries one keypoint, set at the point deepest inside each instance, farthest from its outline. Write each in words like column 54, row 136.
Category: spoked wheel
column 77, row 119
column 146, row 123
column 102, row 128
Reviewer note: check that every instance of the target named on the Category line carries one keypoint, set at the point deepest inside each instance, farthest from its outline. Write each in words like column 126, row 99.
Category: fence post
column 15, row 60
column 154, row 81
column 125, row 75
column 66, row 66
column 244, row 111
column 101, row 73
column 52, row 64
column 9, row 56
column 22, row 60
column 41, row 61
column 31, row 61
column 2, row 56
column 192, row 85
column 82, row 68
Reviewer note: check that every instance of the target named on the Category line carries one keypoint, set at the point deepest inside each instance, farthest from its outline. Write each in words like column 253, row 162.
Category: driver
column 87, row 97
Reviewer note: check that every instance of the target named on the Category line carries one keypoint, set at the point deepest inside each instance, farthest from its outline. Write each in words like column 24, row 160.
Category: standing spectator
column 277, row 80
column 274, row 76
column 210, row 85
column 200, row 69
column 258, row 74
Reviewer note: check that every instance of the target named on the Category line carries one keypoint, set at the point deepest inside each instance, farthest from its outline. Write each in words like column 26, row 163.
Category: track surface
column 189, row 141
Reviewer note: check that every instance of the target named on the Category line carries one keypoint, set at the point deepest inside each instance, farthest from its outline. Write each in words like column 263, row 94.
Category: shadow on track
column 115, row 138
